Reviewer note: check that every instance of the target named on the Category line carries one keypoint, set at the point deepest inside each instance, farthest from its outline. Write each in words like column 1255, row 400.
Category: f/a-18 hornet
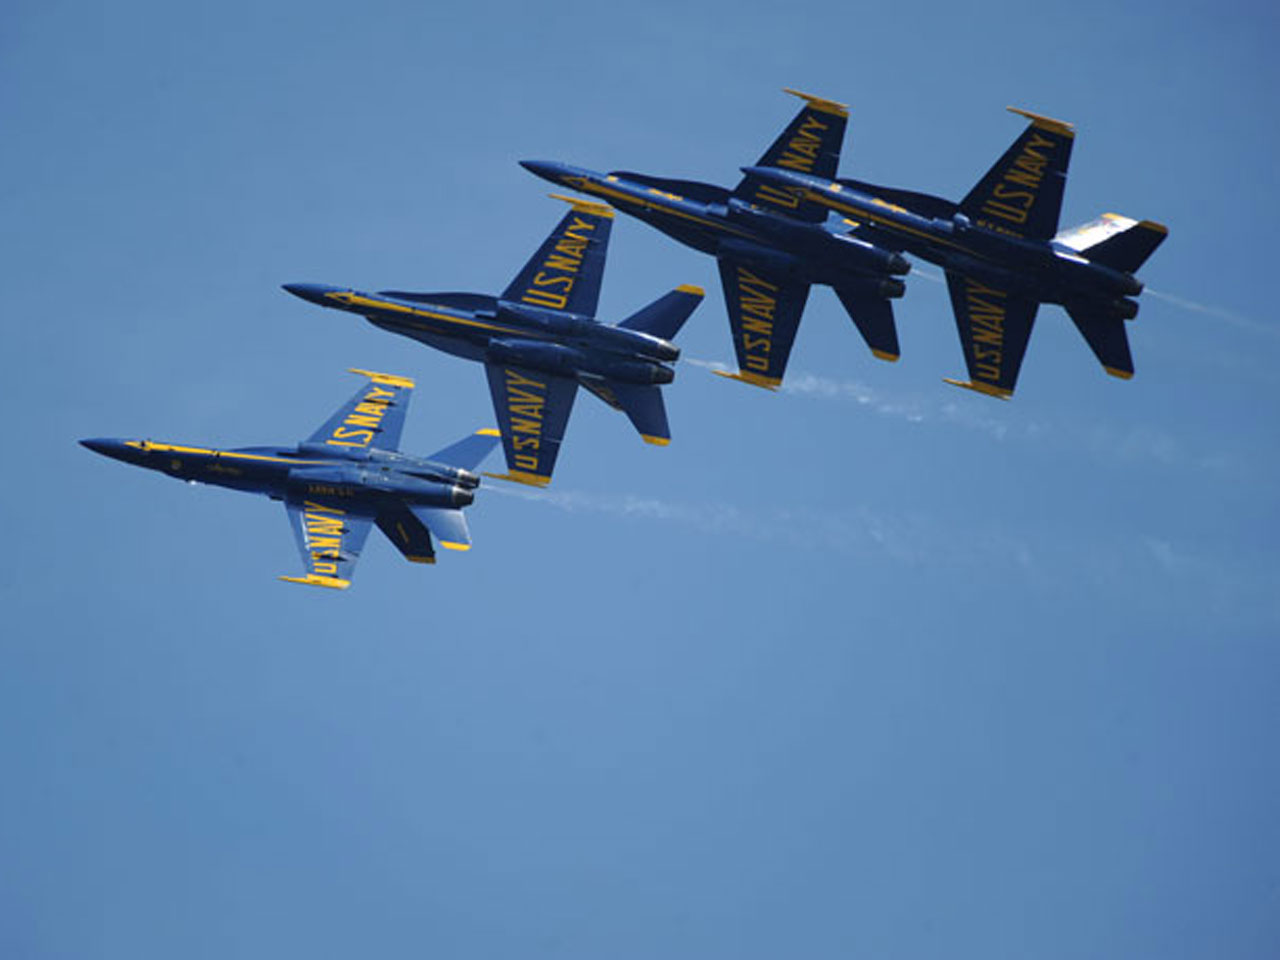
column 345, row 476
column 769, row 243
column 539, row 340
column 1000, row 254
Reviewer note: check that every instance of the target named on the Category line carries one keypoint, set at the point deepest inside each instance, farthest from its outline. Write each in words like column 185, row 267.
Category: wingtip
column 520, row 476
column 985, row 389
column 1118, row 373
column 585, row 206
column 821, row 104
column 754, row 379
column 884, row 355
column 656, row 441
column 1045, row 123
column 315, row 580
column 387, row 379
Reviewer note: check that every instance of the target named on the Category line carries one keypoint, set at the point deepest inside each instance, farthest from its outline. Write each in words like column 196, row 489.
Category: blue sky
column 870, row 667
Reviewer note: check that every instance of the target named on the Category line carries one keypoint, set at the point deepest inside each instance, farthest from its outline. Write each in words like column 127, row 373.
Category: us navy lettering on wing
column 363, row 423
column 526, row 399
column 553, row 283
column 986, row 311
column 1007, row 200
column 801, row 154
column 757, row 302
column 324, row 536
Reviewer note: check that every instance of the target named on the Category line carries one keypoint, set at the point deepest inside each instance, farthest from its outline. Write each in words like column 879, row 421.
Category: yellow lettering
column 541, row 279
column 517, row 380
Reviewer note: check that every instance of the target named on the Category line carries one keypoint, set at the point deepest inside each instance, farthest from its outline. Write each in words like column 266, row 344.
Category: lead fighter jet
column 344, row 477
column 1001, row 255
column 539, row 341
column 769, row 244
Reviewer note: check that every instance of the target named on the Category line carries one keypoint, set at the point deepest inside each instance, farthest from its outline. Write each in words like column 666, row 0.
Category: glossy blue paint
column 540, row 340
column 345, row 477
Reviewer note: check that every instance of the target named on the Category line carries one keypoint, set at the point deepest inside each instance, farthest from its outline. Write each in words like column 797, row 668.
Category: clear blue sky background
column 870, row 667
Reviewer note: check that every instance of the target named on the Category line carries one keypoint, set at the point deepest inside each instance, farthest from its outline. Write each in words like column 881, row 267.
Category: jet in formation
column 1001, row 251
column 539, row 340
column 770, row 244
column 347, row 475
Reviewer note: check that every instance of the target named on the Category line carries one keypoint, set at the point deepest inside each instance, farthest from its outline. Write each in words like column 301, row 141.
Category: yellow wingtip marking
column 768, row 383
column 454, row 546
column 1045, row 123
column 882, row 355
column 691, row 288
column 315, row 580
column 420, row 559
column 656, row 441
column 820, row 104
column 983, row 388
column 520, row 476
column 1151, row 225
column 488, row 432
column 1122, row 374
column 390, row 379
column 585, row 206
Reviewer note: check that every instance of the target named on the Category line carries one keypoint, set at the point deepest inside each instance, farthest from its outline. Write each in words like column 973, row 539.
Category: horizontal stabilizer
column 447, row 523
column 873, row 316
column 642, row 404
column 469, row 452
column 1116, row 242
column 665, row 316
column 407, row 534
column 1107, row 338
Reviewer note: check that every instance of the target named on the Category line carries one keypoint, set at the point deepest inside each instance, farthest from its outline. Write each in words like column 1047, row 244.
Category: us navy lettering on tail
column 526, row 399
column 1027, row 171
column 758, row 302
column 368, row 414
column 552, row 284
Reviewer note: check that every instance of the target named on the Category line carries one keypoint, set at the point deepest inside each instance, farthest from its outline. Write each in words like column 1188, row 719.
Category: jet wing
column 764, row 312
column 994, row 327
column 809, row 144
column 533, row 410
column 329, row 538
column 566, row 272
column 410, row 526
column 1022, row 193
column 374, row 417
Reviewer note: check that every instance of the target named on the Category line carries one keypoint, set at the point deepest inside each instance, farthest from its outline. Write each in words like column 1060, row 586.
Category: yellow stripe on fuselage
column 148, row 446
column 619, row 195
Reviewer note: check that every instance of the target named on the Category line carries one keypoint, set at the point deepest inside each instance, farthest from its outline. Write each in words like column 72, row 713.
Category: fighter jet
column 539, row 340
column 345, row 476
column 1000, row 253
column 770, row 245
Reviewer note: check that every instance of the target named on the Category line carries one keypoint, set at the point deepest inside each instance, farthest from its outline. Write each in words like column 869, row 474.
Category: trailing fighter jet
column 769, row 244
column 1001, row 256
column 345, row 476
column 539, row 340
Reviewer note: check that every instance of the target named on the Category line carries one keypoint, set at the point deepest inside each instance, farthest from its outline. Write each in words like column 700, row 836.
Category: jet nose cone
column 107, row 446
column 546, row 169
column 312, row 292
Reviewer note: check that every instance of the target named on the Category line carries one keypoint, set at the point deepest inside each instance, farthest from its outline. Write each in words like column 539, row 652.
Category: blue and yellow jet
column 539, row 341
column 770, row 245
column 344, row 477
column 1000, row 252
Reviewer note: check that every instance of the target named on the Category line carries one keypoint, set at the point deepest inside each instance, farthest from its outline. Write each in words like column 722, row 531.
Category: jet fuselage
column 488, row 329
column 707, row 218
column 1044, row 270
column 371, row 477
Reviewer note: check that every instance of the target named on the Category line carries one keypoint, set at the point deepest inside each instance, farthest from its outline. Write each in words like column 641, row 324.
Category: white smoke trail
column 1220, row 313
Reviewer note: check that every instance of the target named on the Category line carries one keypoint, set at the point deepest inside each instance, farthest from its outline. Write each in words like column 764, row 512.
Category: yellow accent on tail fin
column 768, row 383
column 488, row 432
column 585, row 206
column 983, row 388
column 521, row 476
column 656, row 441
column 390, row 379
column 315, row 580
column 1045, row 123
column 691, row 288
column 820, row 104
